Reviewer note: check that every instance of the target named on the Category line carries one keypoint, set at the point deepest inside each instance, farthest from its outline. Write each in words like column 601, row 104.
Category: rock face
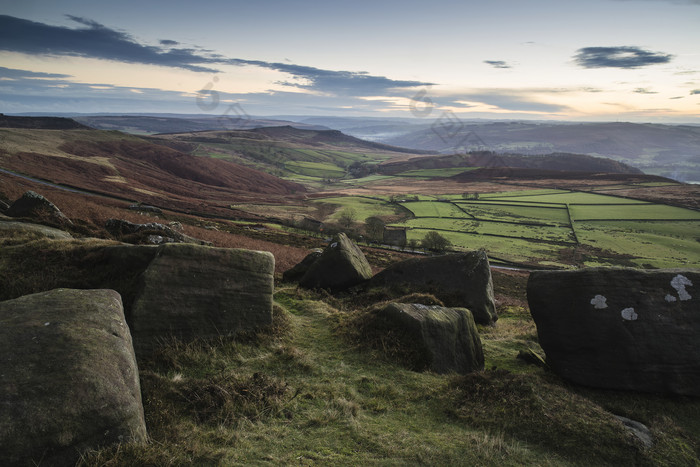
column 34, row 205
column 620, row 328
column 448, row 336
column 191, row 291
column 68, row 377
column 7, row 228
column 341, row 265
column 153, row 233
column 297, row 272
column 459, row 280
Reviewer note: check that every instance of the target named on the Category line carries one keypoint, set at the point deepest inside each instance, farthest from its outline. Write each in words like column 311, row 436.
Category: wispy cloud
column 644, row 91
column 694, row 91
column 11, row 73
column 95, row 40
column 497, row 63
column 619, row 57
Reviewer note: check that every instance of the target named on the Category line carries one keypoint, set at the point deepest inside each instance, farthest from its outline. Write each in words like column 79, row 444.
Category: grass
column 308, row 394
column 561, row 229
column 363, row 207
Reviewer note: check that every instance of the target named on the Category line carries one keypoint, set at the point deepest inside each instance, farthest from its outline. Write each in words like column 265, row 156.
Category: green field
column 363, row 207
column 562, row 228
column 315, row 169
column 432, row 173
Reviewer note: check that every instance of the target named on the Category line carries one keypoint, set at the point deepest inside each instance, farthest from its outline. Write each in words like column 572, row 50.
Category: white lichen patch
column 679, row 283
column 629, row 314
column 670, row 298
column 599, row 302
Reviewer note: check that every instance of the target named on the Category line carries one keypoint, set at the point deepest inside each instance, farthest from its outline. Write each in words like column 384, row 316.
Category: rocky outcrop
column 9, row 228
column 295, row 273
column 35, row 206
column 459, row 280
column 341, row 265
column 620, row 328
column 190, row 291
column 447, row 337
column 68, row 377
column 151, row 233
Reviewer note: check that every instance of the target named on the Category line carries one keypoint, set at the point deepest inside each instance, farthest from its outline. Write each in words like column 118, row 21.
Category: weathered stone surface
column 191, row 291
column 459, row 280
column 4, row 206
column 448, row 336
column 341, row 265
column 297, row 272
column 620, row 328
column 34, row 205
column 12, row 227
column 68, row 377
column 154, row 233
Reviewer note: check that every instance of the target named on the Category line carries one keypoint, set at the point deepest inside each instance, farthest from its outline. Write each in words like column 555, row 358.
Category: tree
column 374, row 227
column 433, row 241
column 347, row 217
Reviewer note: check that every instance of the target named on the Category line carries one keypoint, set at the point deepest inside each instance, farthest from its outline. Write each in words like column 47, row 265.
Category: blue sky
column 629, row 60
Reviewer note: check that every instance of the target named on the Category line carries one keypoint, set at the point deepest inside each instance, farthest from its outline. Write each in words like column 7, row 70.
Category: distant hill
column 131, row 167
column 290, row 152
column 551, row 162
column 41, row 123
column 668, row 150
column 146, row 124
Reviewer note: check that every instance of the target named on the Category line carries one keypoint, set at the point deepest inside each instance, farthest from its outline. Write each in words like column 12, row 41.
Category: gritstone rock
column 341, row 265
column 459, row 280
column 620, row 328
column 68, row 377
column 447, row 337
column 152, row 232
column 33, row 205
column 298, row 271
column 190, row 291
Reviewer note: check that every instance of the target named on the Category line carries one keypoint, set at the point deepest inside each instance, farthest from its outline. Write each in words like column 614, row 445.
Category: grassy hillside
column 309, row 156
column 130, row 167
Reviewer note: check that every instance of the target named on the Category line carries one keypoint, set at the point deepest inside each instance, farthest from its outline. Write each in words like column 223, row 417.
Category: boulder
column 297, row 272
column 459, row 280
column 33, row 205
column 152, row 232
column 620, row 328
column 341, row 265
column 8, row 228
column 68, row 377
column 447, row 337
column 190, row 291
column 4, row 206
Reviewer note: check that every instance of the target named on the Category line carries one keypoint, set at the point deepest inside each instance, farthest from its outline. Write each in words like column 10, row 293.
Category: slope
column 130, row 167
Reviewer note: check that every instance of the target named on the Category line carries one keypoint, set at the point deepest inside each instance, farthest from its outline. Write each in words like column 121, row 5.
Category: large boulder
column 620, row 328
column 152, row 233
column 341, row 265
column 459, row 280
column 447, row 338
column 68, row 377
column 295, row 273
column 35, row 206
column 190, row 291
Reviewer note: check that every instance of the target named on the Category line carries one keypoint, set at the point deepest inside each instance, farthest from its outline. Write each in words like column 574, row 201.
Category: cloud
column 95, row 40
column 497, row 63
column 644, row 91
column 619, row 57
column 694, row 91
column 11, row 73
column 505, row 99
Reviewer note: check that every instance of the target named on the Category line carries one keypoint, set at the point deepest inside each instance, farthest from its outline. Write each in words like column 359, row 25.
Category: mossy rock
column 68, row 377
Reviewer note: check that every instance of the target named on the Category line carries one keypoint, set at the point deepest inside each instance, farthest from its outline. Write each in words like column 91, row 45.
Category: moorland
column 310, row 389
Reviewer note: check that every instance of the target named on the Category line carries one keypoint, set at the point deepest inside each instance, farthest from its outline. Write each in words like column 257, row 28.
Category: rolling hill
column 131, row 167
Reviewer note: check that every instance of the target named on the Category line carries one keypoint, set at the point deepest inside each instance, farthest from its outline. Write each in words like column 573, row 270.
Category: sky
column 599, row 60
